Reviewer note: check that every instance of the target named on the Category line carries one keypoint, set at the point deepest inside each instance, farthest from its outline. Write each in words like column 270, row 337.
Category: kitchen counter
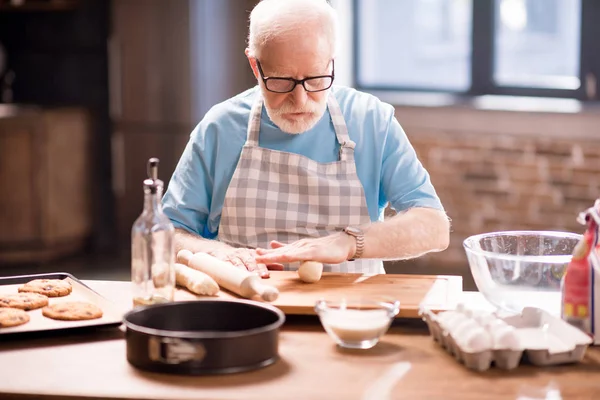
column 406, row 364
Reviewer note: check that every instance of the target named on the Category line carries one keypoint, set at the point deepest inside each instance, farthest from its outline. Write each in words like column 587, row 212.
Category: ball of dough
column 310, row 271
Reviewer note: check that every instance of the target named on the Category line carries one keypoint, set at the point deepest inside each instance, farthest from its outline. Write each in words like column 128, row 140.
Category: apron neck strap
column 337, row 118
column 254, row 122
column 340, row 128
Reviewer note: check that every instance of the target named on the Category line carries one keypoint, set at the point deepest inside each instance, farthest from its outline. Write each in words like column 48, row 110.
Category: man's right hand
column 244, row 258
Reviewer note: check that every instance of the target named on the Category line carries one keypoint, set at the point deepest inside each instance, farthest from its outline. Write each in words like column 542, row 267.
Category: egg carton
column 482, row 339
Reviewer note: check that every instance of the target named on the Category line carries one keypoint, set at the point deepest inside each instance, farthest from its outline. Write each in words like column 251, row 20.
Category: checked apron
column 276, row 195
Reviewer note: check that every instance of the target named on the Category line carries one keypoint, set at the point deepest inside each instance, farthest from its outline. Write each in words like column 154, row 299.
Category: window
column 428, row 47
column 520, row 47
column 537, row 43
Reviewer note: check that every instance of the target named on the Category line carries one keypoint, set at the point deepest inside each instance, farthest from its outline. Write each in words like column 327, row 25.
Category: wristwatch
column 359, row 235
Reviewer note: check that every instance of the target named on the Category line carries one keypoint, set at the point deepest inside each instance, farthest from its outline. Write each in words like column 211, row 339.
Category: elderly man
column 297, row 169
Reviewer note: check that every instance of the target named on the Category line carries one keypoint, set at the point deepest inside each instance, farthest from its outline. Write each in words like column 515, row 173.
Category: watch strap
column 359, row 236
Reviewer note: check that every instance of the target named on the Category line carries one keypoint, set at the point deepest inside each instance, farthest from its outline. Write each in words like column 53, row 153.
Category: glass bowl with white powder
column 357, row 323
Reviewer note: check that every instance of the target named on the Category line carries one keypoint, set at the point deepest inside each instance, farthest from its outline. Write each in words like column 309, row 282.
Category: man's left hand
column 332, row 249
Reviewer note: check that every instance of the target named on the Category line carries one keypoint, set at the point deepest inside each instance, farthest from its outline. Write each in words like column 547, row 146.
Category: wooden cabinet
column 150, row 75
column 170, row 61
column 45, row 207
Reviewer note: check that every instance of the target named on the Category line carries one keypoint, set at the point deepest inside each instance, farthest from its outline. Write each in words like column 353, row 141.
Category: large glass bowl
column 517, row 269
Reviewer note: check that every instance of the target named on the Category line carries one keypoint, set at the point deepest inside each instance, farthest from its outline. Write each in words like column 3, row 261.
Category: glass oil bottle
column 152, row 246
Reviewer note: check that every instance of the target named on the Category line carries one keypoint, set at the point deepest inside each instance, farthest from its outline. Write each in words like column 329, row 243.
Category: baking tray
column 39, row 325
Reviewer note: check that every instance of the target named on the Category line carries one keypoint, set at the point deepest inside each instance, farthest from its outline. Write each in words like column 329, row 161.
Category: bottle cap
column 152, row 183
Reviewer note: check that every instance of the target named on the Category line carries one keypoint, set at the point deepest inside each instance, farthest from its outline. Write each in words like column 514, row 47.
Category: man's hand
column 240, row 257
column 332, row 249
column 246, row 259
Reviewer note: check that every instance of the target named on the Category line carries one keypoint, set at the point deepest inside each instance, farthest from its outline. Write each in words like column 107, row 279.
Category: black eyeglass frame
column 265, row 79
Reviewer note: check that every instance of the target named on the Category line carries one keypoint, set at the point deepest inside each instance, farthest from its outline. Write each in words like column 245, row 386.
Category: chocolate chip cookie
column 12, row 317
column 72, row 311
column 47, row 287
column 23, row 301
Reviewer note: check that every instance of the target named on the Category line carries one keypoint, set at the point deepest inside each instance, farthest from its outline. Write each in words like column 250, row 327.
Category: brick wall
column 503, row 171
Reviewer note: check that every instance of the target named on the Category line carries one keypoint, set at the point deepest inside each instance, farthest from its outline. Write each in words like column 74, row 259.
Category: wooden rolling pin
column 244, row 283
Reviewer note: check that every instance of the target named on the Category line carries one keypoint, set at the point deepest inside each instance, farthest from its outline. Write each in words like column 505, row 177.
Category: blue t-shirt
column 386, row 162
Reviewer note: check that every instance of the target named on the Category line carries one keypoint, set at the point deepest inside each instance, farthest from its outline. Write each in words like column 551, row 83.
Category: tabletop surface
column 406, row 364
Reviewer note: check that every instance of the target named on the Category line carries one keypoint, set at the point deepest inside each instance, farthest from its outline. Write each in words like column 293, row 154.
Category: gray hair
column 272, row 19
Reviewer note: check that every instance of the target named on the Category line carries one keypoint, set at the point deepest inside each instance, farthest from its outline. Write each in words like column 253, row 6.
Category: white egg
column 494, row 324
column 506, row 338
column 484, row 317
column 452, row 321
column 442, row 317
column 468, row 312
column 463, row 328
column 476, row 340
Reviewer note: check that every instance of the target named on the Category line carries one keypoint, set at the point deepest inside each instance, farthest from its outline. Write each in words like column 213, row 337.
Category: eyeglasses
column 286, row 85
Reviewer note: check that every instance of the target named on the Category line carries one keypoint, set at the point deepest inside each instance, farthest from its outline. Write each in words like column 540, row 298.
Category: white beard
column 299, row 124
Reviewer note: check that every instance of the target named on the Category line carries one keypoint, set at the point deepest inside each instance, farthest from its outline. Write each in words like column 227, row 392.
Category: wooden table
column 311, row 367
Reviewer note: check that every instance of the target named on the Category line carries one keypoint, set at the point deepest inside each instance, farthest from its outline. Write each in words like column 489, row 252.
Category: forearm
column 196, row 244
column 407, row 235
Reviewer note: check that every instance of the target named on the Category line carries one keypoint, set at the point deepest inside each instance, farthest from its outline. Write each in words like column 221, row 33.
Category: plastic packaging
column 482, row 339
column 580, row 287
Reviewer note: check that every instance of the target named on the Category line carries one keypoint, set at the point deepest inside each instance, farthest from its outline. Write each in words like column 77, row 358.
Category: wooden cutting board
column 437, row 292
